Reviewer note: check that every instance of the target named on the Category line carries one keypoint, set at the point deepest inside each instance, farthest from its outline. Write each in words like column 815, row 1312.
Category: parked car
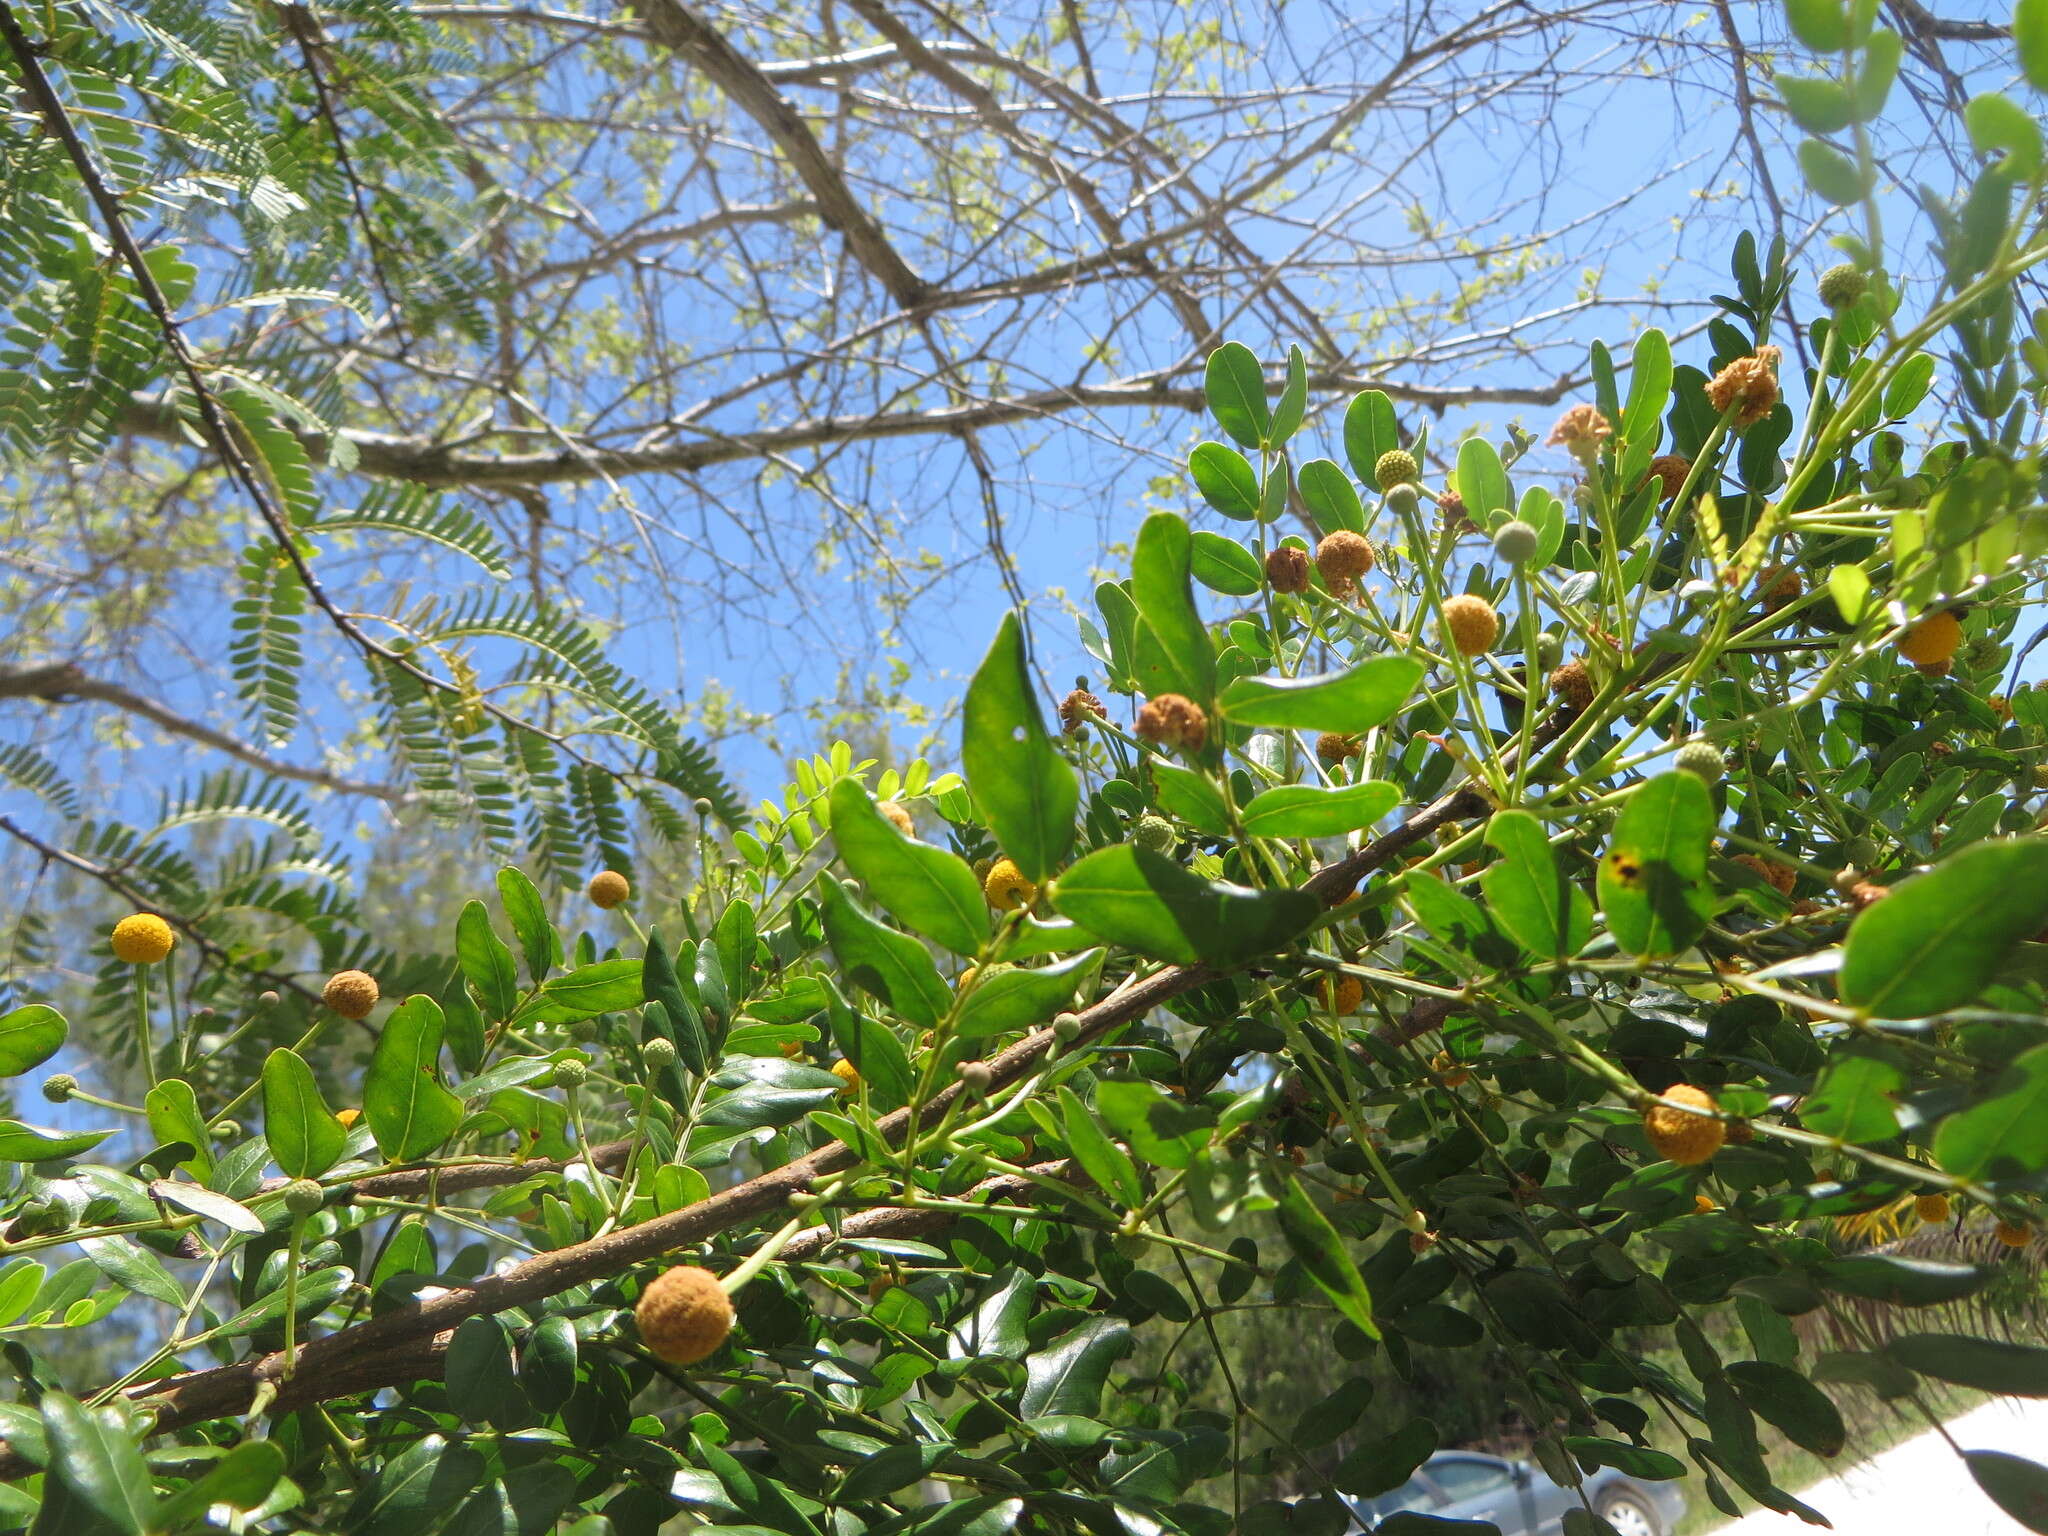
column 1517, row 1497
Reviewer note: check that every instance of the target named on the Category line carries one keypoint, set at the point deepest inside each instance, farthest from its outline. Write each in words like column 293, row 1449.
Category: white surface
column 1920, row 1487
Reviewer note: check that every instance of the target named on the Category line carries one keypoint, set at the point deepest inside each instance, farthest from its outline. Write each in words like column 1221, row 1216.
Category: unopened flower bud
column 302, row 1197
column 658, row 1053
column 975, row 1076
column 571, row 1071
column 59, row 1086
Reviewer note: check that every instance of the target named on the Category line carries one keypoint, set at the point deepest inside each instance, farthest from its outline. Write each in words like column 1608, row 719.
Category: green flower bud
column 1515, row 542
column 1843, row 285
column 571, row 1071
column 975, row 1077
column 302, row 1197
column 59, row 1086
column 1396, row 466
column 1155, row 834
column 1700, row 758
column 658, row 1053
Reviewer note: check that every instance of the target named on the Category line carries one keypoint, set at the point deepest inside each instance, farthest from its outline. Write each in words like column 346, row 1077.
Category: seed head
column 1931, row 642
column 1396, row 466
column 1287, row 568
column 142, row 939
column 608, row 888
column 847, row 1073
column 1076, row 709
column 1154, row 834
column 1777, row 876
column 1683, row 1136
column 1843, row 285
column 684, row 1314
column 1515, row 542
column 352, row 994
column 1172, row 720
column 1456, row 515
column 59, row 1086
column 897, row 817
column 1671, row 470
column 1700, row 759
column 1343, row 556
column 1572, row 683
column 302, row 1197
column 1777, row 586
column 1006, row 888
column 1335, row 747
column 1470, row 624
column 1748, row 386
column 1932, row 1209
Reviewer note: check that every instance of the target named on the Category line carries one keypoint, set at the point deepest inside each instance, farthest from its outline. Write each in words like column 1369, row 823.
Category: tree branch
column 63, row 683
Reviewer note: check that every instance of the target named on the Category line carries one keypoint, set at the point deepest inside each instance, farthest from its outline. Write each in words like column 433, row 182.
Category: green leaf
column 891, row 965
column 1025, row 789
column 1160, row 1130
column 528, row 915
column 1192, row 797
column 1653, row 878
column 1226, row 480
column 1370, row 430
column 200, row 1201
column 1350, row 701
column 1315, row 1243
column 1129, row 896
column 735, row 939
column 22, row 1143
column 1293, row 402
column 243, row 1479
column 1069, row 1375
column 173, row 1112
column 409, row 1112
column 1938, row 939
column 1635, row 1460
column 1989, row 1365
column 2007, row 1134
column 1902, row 396
column 995, row 1329
column 1901, row 1282
column 547, row 1363
column 609, row 986
column 29, row 1036
column 1873, row 79
column 1831, row 173
column 1223, row 565
column 1309, row 810
column 873, row 1049
column 1998, row 122
column 2030, row 44
column 1822, row 25
column 415, row 1488
column 1855, row 1099
column 1649, row 391
column 1818, row 106
column 2016, row 1485
column 1790, row 1404
column 1482, row 482
column 927, row 889
column 1384, row 1462
column 486, row 962
column 678, row 1018
column 1100, row 1158
column 467, row 1039
column 133, row 1268
column 1529, row 895
column 1236, row 389
column 481, row 1386
column 1331, row 498
column 1183, row 660
column 1850, row 588
column 100, row 1465
column 304, row 1136
column 1023, row 999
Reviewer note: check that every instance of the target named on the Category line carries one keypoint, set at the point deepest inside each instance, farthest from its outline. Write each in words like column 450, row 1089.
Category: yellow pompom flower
column 143, row 939
column 847, row 1073
column 684, row 1314
column 608, row 888
column 1006, row 888
column 352, row 994
column 1682, row 1135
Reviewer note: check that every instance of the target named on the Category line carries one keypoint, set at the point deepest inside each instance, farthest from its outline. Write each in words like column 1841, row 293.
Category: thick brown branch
column 64, row 683
column 676, row 26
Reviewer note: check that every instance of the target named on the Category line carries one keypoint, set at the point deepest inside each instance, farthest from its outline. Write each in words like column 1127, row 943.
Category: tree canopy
column 1571, row 922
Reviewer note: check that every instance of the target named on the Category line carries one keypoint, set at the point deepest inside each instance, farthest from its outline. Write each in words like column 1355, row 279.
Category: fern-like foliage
column 421, row 513
column 26, row 768
column 264, row 650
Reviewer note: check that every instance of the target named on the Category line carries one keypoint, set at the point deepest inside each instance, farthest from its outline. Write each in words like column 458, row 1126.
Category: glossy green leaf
column 1100, row 1158
column 528, row 915
column 1023, row 999
column 486, row 962
column 1384, row 1462
column 928, row 889
column 547, row 1361
column 1309, row 810
column 873, row 1049
column 304, row 1136
column 1182, row 660
column 1370, row 429
column 1068, row 1376
column 242, row 1479
column 1528, row 893
column 2015, row 1484
column 608, row 986
column 173, row 1112
column 1160, row 1130
column 415, row 1488
column 1482, row 482
column 466, row 1037
column 1292, row 405
column 1938, row 939
column 23, row 1143
column 1856, row 1099
column 2005, row 1135
column 1653, row 877
column 1635, row 1460
column 734, row 939
column 409, row 1112
column 1235, row 386
column 29, row 1036
column 1649, row 391
column 101, row 1466
column 891, row 965
column 1331, row 498
column 1900, row 1281
column 1790, row 1404
column 1223, row 565
column 1191, row 797
column 670, row 1011
column 1989, row 1365
column 210, row 1204
column 995, row 1329
column 133, row 1268
column 1321, row 1252
column 478, row 1371
column 1024, row 787
column 1227, row 481
column 1126, row 895
column 1354, row 700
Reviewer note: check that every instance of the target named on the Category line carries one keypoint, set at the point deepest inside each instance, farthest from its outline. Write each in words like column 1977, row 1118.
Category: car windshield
column 1413, row 1494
